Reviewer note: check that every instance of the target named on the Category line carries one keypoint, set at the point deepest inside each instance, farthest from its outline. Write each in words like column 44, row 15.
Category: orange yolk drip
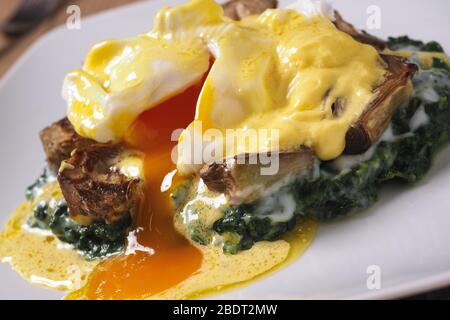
column 142, row 274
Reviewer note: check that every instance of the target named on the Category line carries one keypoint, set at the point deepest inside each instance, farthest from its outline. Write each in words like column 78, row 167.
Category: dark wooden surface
column 441, row 294
column 11, row 50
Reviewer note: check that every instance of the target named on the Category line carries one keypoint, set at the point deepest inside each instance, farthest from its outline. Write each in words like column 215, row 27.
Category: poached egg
column 281, row 70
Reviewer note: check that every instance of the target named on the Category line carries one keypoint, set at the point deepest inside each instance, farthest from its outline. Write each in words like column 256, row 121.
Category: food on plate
column 238, row 9
column 59, row 140
column 206, row 152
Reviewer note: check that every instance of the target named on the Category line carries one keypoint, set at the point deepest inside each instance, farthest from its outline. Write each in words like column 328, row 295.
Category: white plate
column 406, row 233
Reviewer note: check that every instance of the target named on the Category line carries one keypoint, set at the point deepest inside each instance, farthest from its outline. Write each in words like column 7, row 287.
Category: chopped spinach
column 33, row 190
column 96, row 240
column 439, row 64
column 250, row 227
column 406, row 43
column 198, row 236
column 41, row 217
column 329, row 194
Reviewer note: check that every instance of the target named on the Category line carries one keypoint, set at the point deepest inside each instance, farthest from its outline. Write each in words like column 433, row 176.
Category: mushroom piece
column 238, row 9
column 358, row 35
column 58, row 140
column 95, row 188
column 389, row 95
column 243, row 181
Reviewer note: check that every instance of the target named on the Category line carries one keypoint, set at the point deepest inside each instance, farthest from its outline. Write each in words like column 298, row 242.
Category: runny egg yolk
column 172, row 258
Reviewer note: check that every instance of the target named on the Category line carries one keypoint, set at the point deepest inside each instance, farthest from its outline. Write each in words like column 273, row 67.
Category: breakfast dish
column 142, row 199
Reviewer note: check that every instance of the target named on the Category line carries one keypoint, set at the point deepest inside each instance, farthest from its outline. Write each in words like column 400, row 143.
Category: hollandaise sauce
column 280, row 70
column 37, row 254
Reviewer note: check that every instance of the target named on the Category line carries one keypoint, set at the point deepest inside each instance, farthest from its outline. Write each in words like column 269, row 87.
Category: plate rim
column 404, row 288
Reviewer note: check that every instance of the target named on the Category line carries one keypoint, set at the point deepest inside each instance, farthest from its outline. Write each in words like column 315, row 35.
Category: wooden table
column 11, row 50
